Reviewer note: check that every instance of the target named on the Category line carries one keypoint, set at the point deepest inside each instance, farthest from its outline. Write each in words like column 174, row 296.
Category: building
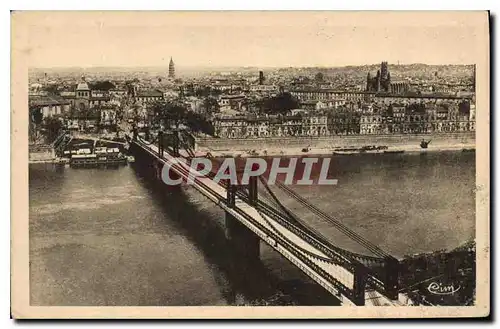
column 315, row 125
column 148, row 96
column 271, row 126
column 343, row 122
column 171, row 69
column 472, row 117
column 194, row 104
column 261, row 78
column 307, row 94
column 309, row 105
column 82, row 98
column 230, row 127
column 286, row 126
column 372, row 124
column 49, row 105
column 118, row 92
column 381, row 82
column 398, row 118
column 261, row 88
column 388, row 99
column 99, row 98
column 231, row 102
column 399, row 87
column 107, row 116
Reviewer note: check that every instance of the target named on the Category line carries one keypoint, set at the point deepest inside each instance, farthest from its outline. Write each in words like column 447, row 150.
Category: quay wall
column 442, row 139
column 41, row 153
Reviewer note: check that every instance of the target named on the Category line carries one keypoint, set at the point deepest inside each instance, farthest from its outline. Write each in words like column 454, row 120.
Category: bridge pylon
column 161, row 142
column 392, row 270
column 253, row 191
column 135, row 133
column 360, row 278
column 176, row 142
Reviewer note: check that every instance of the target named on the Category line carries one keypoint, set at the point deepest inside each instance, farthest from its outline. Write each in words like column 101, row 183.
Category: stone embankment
column 325, row 145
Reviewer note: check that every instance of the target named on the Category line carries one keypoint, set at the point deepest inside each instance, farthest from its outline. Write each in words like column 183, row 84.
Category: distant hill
column 417, row 69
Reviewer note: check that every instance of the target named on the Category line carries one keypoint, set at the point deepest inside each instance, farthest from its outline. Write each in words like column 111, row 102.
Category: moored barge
column 102, row 157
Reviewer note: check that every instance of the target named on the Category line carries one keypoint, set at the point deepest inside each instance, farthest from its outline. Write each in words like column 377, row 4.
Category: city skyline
column 246, row 40
column 193, row 67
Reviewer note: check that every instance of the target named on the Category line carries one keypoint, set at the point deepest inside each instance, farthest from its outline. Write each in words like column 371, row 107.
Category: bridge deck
column 274, row 234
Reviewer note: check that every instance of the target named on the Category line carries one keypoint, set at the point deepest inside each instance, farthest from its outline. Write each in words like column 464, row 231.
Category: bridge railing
column 367, row 269
column 375, row 276
column 381, row 272
column 304, row 255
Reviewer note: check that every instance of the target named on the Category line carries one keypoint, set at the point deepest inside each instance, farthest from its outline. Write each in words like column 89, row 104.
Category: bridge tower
column 245, row 243
column 360, row 278
column 135, row 133
column 392, row 277
column 176, row 142
column 160, row 144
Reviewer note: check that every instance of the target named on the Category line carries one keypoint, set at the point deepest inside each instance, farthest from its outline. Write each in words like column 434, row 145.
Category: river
column 111, row 237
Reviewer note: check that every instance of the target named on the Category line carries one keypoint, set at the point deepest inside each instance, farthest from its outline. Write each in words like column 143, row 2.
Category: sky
column 257, row 39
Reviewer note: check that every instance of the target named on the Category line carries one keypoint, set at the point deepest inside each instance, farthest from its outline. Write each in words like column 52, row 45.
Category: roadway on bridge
column 217, row 193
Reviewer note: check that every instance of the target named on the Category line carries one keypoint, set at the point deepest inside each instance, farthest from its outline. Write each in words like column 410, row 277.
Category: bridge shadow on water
column 254, row 281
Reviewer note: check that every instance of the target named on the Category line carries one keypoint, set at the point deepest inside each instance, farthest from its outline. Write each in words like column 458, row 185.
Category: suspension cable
column 341, row 227
column 322, row 238
column 344, row 229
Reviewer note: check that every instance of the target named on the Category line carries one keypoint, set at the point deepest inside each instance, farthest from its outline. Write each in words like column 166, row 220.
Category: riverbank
column 424, row 275
column 201, row 151
column 41, row 153
column 46, row 154
column 328, row 145
column 46, row 161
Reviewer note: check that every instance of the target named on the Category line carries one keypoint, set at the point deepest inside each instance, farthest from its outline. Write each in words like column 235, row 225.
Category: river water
column 111, row 237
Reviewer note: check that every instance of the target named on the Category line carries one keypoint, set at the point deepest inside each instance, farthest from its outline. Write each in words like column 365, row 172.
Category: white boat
column 130, row 159
column 372, row 151
column 83, row 151
column 62, row 161
column 100, row 150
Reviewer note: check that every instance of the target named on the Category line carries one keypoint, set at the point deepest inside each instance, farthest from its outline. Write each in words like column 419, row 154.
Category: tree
column 464, row 108
column 211, row 105
column 36, row 115
column 319, row 77
column 136, row 112
column 280, row 104
column 103, row 85
column 198, row 123
column 202, row 92
column 51, row 128
column 416, row 108
column 175, row 114
column 170, row 113
column 51, row 89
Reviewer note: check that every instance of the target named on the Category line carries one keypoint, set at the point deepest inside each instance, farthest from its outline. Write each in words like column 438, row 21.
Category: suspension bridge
column 253, row 212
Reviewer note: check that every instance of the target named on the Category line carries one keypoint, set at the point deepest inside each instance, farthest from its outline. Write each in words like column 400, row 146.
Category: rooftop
column 47, row 101
column 82, row 86
column 149, row 93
